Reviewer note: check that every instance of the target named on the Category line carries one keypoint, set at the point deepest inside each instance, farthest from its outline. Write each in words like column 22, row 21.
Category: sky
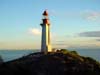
column 74, row 23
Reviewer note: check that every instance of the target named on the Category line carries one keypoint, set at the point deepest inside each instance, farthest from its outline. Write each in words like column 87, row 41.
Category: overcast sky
column 74, row 23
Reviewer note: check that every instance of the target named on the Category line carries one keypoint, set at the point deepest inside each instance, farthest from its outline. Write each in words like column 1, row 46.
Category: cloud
column 60, row 41
column 34, row 31
column 90, row 34
column 60, row 44
column 37, row 32
column 91, row 15
column 97, row 39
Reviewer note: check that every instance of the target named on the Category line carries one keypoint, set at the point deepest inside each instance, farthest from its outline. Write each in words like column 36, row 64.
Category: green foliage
column 91, row 60
column 64, row 51
column 74, row 52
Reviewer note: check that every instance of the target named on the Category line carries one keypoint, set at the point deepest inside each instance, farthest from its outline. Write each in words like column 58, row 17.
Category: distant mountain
column 61, row 62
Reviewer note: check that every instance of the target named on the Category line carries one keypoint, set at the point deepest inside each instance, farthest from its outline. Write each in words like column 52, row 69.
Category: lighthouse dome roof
column 45, row 13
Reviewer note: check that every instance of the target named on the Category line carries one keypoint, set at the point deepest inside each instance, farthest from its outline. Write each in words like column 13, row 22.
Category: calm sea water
column 8, row 55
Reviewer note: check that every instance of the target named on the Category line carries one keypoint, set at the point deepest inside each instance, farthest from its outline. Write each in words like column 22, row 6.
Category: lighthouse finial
column 45, row 13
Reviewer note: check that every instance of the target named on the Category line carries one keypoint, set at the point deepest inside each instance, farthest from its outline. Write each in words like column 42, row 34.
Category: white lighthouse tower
column 45, row 42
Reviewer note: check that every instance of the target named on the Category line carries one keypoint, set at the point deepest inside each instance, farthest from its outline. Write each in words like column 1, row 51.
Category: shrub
column 64, row 51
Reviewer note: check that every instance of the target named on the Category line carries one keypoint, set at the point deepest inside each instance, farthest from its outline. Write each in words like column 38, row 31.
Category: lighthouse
column 45, row 39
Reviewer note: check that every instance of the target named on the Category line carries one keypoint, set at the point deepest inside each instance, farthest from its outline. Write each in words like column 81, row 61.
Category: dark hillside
column 57, row 63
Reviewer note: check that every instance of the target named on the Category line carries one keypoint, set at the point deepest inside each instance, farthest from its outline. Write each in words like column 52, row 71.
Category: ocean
column 9, row 55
